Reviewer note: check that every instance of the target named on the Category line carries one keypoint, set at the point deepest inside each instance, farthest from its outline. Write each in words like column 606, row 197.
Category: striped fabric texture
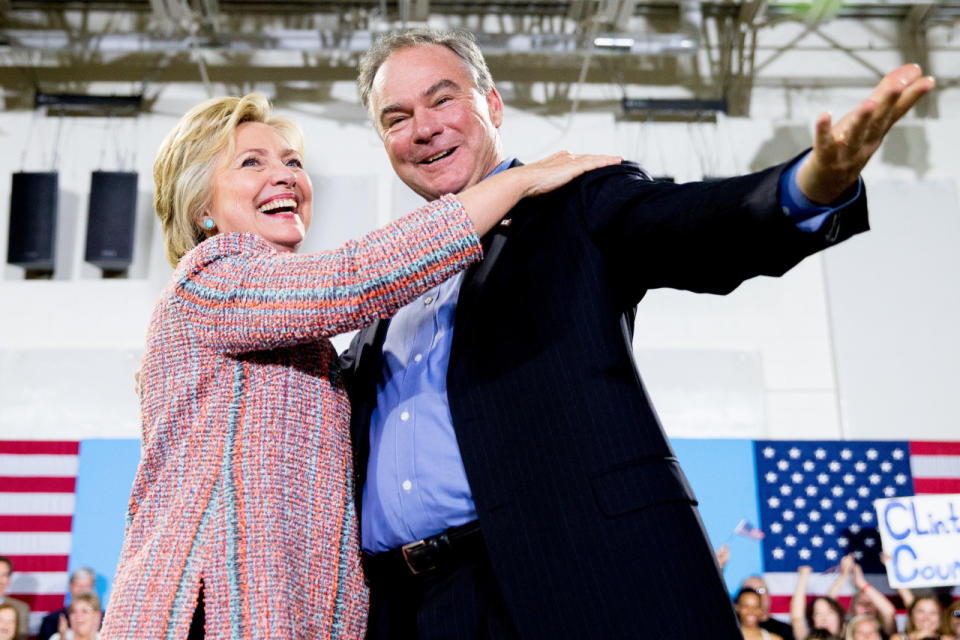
column 246, row 480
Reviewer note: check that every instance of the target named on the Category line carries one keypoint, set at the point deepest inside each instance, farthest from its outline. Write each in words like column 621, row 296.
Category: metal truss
column 543, row 52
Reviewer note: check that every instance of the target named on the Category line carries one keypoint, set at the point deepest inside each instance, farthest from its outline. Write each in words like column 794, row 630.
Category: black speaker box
column 111, row 219
column 31, row 242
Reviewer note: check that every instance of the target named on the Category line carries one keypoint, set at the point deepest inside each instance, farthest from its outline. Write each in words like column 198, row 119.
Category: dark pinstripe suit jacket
column 590, row 523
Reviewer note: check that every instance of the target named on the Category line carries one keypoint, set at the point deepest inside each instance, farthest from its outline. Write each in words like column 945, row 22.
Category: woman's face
column 867, row 630
column 8, row 624
column 84, row 619
column 749, row 610
column 926, row 616
column 824, row 617
column 263, row 189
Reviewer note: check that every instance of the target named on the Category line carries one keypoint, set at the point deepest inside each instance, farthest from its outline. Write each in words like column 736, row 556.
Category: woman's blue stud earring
column 208, row 223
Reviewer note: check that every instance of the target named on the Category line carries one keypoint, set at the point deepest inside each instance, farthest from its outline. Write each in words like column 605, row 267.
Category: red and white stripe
column 935, row 467
column 37, row 497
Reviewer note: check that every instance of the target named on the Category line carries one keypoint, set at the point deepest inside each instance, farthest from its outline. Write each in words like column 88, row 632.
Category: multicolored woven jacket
column 245, row 480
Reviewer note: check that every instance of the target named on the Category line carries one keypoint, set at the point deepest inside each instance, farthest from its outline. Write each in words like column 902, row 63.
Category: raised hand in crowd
column 823, row 612
column 723, row 556
column 866, row 600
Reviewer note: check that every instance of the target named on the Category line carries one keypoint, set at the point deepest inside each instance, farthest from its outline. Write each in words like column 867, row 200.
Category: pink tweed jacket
column 246, row 479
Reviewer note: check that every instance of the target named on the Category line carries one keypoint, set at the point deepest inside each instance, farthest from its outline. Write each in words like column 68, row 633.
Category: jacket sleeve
column 238, row 294
column 700, row 236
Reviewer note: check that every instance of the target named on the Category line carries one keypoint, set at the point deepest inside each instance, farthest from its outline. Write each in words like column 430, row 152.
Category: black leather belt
column 431, row 556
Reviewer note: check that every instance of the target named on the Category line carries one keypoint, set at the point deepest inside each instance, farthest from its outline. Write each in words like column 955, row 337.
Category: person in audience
column 82, row 580
column 863, row 627
column 23, row 609
column 244, row 491
column 924, row 618
column 767, row 622
column 8, row 621
column 951, row 621
column 822, row 612
column 867, row 601
column 83, row 619
column 748, row 608
column 822, row 634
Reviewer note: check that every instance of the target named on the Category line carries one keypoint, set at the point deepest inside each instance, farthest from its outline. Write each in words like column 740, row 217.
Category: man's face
column 81, row 585
column 4, row 578
column 439, row 132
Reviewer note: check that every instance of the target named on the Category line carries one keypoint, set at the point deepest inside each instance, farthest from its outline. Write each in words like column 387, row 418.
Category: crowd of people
column 79, row 620
column 871, row 615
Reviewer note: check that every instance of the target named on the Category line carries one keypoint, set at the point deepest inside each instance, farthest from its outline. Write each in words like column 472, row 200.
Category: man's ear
column 495, row 106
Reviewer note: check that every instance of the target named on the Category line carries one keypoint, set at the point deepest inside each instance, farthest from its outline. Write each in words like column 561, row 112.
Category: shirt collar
column 503, row 166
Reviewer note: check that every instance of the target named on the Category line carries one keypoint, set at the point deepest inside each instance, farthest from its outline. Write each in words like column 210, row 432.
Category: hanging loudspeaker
column 110, row 219
column 33, row 221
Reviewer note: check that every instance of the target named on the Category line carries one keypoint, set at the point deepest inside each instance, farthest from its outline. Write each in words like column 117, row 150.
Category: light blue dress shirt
column 416, row 485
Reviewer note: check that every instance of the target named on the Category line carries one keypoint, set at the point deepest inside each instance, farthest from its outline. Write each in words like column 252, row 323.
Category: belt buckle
column 411, row 549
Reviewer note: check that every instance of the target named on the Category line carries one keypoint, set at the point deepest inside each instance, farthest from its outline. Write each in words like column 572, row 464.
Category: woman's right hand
column 489, row 200
column 558, row 169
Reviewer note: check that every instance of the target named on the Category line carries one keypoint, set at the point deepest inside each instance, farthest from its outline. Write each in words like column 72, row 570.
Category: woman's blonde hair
column 90, row 598
column 188, row 157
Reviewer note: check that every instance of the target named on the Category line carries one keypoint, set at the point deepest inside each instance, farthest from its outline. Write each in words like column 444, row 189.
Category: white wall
column 766, row 361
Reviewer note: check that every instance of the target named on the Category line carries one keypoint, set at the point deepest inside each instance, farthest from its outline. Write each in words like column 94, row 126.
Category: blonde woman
column 8, row 621
column 244, row 493
column 84, row 613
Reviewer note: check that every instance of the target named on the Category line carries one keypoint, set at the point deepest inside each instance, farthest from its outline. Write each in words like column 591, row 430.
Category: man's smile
column 438, row 156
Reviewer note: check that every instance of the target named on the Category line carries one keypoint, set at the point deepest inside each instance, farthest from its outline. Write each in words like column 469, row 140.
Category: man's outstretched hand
column 841, row 150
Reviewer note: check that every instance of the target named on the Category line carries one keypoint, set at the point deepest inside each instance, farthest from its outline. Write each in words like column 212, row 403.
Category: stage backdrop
column 62, row 506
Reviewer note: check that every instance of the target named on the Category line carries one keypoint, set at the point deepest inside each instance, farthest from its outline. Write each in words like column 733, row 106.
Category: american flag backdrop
column 37, row 496
column 816, row 503
column 62, row 505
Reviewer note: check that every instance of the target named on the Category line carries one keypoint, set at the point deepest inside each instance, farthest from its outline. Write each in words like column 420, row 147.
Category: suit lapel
column 477, row 274
column 366, row 369
column 493, row 243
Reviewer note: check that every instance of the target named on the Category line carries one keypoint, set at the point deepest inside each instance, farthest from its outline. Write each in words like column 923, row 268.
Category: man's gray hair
column 83, row 573
column 459, row 41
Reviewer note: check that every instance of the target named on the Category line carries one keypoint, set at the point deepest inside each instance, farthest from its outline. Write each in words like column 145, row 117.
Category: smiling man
column 516, row 482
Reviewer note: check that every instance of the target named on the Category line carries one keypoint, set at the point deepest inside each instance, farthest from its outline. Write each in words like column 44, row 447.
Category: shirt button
column 418, row 357
column 405, row 416
column 407, row 485
column 428, row 300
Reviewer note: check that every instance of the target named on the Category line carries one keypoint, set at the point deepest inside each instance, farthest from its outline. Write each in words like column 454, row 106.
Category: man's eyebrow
column 446, row 83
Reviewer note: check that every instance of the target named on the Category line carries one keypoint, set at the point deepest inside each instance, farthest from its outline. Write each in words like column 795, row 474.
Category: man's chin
column 433, row 188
